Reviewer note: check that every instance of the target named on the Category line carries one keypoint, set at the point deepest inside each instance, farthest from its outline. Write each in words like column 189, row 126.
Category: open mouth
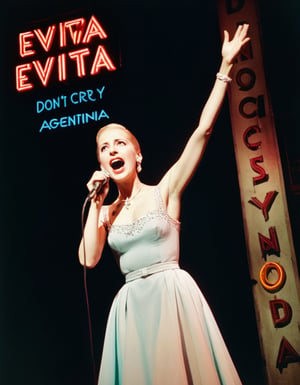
column 116, row 164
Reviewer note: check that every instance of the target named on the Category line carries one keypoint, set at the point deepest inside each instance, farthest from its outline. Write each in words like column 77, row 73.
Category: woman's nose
column 113, row 151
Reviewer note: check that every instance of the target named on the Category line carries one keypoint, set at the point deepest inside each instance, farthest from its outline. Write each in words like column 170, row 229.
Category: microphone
column 98, row 185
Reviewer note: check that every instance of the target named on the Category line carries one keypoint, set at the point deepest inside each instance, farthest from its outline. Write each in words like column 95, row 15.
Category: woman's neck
column 129, row 189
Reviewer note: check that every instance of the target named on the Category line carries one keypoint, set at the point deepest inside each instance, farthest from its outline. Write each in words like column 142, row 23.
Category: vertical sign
column 269, row 242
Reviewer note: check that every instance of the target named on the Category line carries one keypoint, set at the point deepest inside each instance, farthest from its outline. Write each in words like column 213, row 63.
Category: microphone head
column 99, row 185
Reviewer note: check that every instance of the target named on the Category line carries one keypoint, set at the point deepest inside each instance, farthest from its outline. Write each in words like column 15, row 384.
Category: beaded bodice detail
column 137, row 226
column 150, row 239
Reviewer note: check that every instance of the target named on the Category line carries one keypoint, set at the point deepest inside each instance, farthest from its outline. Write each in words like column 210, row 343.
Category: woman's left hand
column 231, row 48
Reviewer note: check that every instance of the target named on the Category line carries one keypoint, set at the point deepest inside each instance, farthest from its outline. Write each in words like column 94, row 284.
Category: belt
column 152, row 269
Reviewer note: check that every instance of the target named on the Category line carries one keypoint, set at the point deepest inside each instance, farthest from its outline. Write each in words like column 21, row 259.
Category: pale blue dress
column 160, row 329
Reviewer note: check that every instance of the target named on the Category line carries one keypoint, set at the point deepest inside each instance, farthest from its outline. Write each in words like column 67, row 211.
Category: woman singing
column 160, row 329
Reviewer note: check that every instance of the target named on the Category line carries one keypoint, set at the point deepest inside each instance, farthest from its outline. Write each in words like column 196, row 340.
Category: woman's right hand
column 101, row 177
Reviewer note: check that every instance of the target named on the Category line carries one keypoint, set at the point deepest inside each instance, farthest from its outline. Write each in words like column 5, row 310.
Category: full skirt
column 161, row 331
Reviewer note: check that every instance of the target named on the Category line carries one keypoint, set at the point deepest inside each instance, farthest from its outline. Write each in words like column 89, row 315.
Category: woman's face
column 117, row 153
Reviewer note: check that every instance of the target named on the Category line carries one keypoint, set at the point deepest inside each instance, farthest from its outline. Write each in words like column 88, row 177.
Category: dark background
column 167, row 55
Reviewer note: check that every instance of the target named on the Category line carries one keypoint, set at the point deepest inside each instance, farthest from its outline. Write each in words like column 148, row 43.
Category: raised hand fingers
column 239, row 35
column 226, row 36
column 241, row 32
column 231, row 48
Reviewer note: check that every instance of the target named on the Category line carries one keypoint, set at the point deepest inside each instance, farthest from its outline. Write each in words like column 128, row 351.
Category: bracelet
column 224, row 78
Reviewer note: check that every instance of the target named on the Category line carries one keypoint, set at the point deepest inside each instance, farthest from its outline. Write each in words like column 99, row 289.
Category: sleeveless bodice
column 150, row 239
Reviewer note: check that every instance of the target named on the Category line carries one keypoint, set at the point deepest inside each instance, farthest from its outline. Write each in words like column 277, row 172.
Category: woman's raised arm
column 182, row 171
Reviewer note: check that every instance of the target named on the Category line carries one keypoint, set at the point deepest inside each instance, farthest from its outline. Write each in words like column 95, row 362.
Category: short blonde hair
column 130, row 135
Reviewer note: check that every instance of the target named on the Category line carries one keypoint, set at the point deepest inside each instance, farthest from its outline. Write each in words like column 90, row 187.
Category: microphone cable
column 88, row 198
column 97, row 188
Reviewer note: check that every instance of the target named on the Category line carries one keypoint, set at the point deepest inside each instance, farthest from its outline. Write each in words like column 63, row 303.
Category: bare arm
column 177, row 178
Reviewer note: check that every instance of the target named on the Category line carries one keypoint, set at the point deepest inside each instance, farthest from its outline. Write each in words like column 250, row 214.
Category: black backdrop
column 167, row 55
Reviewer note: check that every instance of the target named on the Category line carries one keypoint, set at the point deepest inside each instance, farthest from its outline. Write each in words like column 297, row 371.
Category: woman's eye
column 103, row 148
column 121, row 143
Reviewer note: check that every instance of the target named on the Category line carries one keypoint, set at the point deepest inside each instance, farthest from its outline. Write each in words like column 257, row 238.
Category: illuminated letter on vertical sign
column 286, row 355
column 281, row 312
column 272, row 285
column 266, row 205
column 263, row 176
column 269, row 245
column 251, row 131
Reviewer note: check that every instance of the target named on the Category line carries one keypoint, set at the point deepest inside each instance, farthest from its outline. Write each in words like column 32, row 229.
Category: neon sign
column 75, row 98
column 57, row 39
